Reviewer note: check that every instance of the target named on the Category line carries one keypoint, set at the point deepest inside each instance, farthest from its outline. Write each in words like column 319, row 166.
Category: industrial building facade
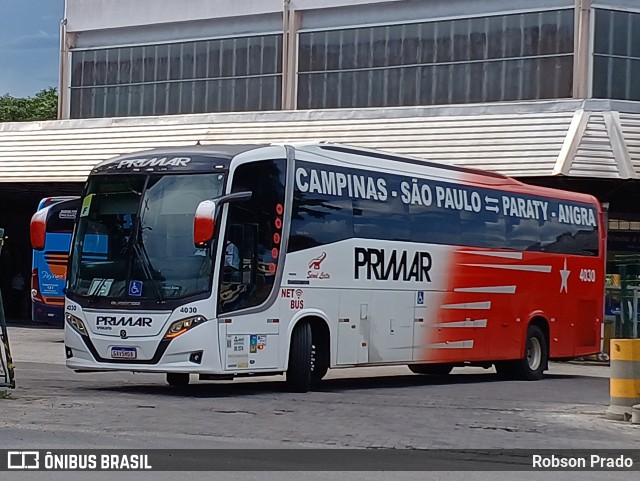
column 323, row 54
column 545, row 91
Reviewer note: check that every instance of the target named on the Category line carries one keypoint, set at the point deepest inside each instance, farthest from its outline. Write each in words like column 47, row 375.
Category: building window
column 223, row 75
column 616, row 55
column 497, row 58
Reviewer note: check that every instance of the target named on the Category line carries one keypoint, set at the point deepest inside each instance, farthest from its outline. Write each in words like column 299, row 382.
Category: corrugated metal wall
column 594, row 156
column 514, row 139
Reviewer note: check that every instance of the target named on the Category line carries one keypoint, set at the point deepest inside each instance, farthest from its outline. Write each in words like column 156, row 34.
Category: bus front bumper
column 195, row 351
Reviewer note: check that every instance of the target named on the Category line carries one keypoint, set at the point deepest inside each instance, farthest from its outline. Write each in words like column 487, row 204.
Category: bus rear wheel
column 531, row 367
column 299, row 372
column 178, row 379
column 431, row 369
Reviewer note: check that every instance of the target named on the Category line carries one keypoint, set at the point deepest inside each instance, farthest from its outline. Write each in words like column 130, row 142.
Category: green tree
column 42, row 106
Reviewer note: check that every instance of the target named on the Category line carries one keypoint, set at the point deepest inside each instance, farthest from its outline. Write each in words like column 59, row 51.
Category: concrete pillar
column 67, row 41
column 291, row 24
column 582, row 50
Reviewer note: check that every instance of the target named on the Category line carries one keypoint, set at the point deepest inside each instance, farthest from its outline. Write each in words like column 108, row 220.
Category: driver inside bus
column 231, row 262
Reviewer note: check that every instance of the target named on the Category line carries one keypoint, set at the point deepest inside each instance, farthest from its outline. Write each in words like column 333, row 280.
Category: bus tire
column 320, row 364
column 298, row 378
column 431, row 369
column 536, row 356
column 178, row 379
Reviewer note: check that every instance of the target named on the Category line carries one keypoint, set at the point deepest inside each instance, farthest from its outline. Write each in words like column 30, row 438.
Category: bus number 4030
column 587, row 275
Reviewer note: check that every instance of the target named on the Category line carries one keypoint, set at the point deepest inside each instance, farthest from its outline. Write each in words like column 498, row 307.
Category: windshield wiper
column 143, row 257
column 96, row 293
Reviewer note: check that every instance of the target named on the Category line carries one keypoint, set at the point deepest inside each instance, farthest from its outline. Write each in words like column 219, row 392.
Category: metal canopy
column 592, row 139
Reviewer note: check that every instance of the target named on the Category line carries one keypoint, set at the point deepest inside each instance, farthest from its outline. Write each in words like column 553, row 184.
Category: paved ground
column 374, row 407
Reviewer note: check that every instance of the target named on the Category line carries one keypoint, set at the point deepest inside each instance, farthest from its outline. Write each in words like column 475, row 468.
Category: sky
column 29, row 45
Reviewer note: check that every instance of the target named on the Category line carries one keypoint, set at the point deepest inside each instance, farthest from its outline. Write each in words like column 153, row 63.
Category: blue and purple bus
column 49, row 265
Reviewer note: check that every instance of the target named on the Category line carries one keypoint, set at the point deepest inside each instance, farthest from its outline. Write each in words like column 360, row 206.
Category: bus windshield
column 134, row 238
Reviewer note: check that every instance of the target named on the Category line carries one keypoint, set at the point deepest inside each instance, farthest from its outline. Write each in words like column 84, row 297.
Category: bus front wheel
column 300, row 368
column 320, row 365
column 536, row 356
column 178, row 379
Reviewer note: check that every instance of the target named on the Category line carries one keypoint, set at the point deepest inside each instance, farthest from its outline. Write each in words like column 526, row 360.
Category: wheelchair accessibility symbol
column 420, row 298
column 135, row 288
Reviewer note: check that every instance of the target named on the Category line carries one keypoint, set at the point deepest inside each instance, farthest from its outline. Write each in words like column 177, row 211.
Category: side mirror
column 38, row 229
column 204, row 222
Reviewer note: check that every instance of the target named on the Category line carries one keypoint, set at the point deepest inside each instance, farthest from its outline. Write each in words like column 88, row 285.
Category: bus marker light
column 38, row 229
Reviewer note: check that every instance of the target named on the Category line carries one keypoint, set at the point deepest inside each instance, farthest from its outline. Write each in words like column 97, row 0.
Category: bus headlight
column 76, row 324
column 183, row 325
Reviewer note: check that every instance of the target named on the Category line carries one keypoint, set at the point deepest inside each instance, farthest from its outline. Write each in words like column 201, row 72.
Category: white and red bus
column 233, row 260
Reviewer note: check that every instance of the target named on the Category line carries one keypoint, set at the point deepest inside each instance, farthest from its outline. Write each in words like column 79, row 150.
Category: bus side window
column 239, row 255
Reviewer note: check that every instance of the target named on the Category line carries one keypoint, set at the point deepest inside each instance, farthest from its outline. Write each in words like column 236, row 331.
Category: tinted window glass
column 507, row 57
column 237, row 74
column 616, row 62
column 62, row 217
column 318, row 219
column 333, row 203
column 253, row 236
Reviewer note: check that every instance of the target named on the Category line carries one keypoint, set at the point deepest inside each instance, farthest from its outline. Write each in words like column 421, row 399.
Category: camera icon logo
column 23, row 460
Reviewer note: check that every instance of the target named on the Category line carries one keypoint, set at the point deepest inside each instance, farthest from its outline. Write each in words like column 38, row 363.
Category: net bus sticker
column 381, row 187
column 294, row 296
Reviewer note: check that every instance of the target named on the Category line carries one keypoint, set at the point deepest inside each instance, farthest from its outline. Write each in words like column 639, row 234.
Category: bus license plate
column 123, row 352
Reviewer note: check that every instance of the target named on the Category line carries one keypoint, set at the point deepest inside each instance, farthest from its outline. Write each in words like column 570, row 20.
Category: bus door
column 353, row 327
column 249, row 342
column 391, row 326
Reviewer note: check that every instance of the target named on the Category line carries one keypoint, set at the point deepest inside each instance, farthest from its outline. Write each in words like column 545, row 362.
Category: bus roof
column 47, row 201
column 215, row 157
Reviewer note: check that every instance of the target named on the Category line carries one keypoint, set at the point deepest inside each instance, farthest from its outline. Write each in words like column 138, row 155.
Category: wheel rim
column 534, row 353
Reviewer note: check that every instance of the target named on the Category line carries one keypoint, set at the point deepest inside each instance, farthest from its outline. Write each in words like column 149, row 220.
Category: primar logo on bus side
column 398, row 265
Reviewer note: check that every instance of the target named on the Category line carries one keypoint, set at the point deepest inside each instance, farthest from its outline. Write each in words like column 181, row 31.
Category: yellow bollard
column 625, row 378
